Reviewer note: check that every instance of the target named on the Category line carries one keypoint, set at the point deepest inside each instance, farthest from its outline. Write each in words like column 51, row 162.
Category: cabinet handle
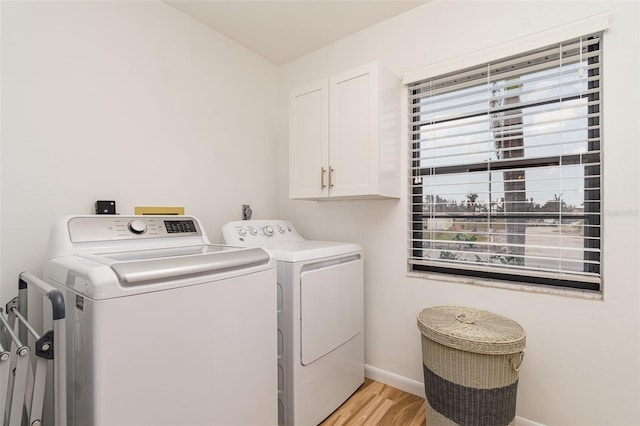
column 331, row 176
column 322, row 173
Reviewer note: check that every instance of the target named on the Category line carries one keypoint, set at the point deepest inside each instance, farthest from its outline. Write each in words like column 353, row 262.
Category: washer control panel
column 109, row 228
column 259, row 232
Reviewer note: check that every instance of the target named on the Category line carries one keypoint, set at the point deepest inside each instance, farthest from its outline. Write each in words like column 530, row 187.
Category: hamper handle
column 463, row 318
column 516, row 368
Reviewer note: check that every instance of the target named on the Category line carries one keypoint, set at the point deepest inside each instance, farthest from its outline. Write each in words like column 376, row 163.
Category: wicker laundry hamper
column 471, row 359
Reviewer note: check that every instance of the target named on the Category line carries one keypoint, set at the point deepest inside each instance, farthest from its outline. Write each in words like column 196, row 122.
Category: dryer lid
column 281, row 239
column 311, row 250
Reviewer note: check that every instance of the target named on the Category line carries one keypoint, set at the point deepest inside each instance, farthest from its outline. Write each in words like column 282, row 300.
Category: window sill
column 530, row 288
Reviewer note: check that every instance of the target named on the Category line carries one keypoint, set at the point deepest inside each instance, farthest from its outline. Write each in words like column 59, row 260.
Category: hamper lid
column 471, row 330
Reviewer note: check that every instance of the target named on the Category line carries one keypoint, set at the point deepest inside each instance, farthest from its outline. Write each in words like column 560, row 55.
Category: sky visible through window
column 558, row 128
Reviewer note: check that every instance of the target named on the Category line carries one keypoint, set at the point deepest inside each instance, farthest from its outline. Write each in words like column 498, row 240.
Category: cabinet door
column 354, row 131
column 309, row 141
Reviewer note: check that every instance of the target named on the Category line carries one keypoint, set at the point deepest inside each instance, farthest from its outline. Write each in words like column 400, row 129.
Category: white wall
column 131, row 101
column 136, row 102
column 582, row 358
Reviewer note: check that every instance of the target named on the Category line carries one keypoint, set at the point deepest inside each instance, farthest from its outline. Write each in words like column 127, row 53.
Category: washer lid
column 114, row 256
column 142, row 266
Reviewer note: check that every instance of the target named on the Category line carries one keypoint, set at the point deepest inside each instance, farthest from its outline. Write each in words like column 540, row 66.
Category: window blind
column 505, row 172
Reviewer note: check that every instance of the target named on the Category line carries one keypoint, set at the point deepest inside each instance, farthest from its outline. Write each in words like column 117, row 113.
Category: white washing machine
column 320, row 317
column 164, row 328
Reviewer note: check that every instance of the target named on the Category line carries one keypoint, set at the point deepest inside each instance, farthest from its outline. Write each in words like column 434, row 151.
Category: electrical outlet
column 246, row 212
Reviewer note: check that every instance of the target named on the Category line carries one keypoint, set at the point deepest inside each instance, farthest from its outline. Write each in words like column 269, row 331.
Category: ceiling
column 281, row 31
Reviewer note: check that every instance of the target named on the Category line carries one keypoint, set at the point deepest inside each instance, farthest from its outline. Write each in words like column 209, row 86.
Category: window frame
column 416, row 214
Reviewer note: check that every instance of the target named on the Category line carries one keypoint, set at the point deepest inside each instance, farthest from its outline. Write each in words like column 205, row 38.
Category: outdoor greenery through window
column 505, row 176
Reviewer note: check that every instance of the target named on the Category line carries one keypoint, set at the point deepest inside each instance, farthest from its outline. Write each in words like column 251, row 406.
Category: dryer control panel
column 259, row 232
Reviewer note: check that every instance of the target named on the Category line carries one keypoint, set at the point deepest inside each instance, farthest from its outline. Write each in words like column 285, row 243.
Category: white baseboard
column 521, row 421
column 408, row 385
column 417, row 388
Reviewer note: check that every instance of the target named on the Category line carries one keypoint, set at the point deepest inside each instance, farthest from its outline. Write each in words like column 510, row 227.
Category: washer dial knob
column 242, row 232
column 268, row 230
column 281, row 229
column 252, row 230
column 137, row 226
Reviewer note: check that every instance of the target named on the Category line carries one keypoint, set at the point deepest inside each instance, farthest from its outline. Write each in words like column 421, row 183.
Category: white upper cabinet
column 309, row 128
column 345, row 136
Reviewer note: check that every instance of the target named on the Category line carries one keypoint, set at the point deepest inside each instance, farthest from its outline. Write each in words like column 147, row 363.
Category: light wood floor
column 378, row 404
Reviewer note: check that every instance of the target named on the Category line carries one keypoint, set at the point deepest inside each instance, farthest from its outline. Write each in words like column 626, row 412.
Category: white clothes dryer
column 320, row 317
column 163, row 328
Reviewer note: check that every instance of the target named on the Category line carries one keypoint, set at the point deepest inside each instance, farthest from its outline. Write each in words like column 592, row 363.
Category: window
column 505, row 172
